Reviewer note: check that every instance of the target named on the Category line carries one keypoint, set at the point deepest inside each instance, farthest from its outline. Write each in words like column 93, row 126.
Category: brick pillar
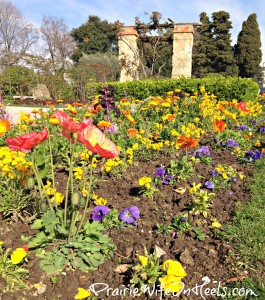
column 182, row 50
column 128, row 53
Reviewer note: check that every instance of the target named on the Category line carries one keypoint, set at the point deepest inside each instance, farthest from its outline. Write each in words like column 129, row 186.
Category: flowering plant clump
column 64, row 215
column 221, row 176
column 161, row 176
column 13, row 267
column 150, row 271
column 147, row 189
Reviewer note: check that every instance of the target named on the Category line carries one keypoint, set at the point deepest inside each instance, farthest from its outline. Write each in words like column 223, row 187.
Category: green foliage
column 179, row 225
column 95, row 36
column 201, row 63
column 201, row 202
column 97, row 67
column 221, row 53
column 14, row 275
column 58, row 87
column 224, row 88
column 182, row 169
column 248, row 224
column 248, row 48
column 17, row 80
column 86, row 251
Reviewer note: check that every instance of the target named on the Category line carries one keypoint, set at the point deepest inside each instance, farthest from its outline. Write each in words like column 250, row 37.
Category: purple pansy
column 99, row 212
column 209, row 185
column 243, row 127
column 232, row 143
column 167, row 179
column 202, row 152
column 262, row 129
column 160, row 172
column 214, row 172
column 130, row 214
column 253, row 155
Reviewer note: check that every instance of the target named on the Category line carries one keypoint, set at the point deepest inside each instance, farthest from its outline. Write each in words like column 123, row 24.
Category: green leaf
column 38, row 224
column 38, row 240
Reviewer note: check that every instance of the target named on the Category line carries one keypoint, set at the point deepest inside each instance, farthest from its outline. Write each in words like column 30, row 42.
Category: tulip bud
column 75, row 199
column 43, row 207
column 82, row 202
column 30, row 183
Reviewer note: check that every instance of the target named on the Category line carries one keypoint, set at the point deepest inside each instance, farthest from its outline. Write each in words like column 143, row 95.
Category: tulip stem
column 69, row 181
column 87, row 198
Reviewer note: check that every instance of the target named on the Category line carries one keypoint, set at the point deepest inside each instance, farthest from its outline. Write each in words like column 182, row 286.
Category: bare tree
column 59, row 44
column 17, row 35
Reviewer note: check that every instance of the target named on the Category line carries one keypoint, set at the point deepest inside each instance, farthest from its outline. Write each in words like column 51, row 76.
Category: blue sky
column 76, row 12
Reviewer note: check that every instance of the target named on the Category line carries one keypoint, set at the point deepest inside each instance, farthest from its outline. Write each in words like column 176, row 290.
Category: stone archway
column 182, row 36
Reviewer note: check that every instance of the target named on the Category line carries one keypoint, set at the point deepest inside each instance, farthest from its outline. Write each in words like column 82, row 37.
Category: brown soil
column 210, row 257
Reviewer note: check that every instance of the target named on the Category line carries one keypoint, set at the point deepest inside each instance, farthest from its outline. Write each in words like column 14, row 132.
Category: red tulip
column 69, row 125
column 97, row 142
column 185, row 142
column 219, row 126
column 25, row 142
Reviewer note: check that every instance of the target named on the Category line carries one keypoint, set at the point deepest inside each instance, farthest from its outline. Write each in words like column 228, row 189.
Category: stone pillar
column 182, row 50
column 128, row 53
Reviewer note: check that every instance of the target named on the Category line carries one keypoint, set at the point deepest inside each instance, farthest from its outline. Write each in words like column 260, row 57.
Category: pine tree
column 95, row 36
column 221, row 53
column 201, row 63
column 248, row 48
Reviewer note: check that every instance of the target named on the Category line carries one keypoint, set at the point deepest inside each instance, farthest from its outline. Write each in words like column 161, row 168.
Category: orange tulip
column 185, row 142
column 97, row 142
column 219, row 126
column 69, row 125
column 26, row 142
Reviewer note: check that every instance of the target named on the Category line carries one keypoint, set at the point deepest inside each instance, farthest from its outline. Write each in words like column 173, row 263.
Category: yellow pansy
column 171, row 283
column 144, row 180
column 17, row 255
column 173, row 267
column 143, row 260
column 82, row 294
column 215, row 224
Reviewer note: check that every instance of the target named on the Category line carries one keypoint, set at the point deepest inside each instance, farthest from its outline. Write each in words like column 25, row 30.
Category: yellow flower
column 100, row 201
column 78, row 173
column 194, row 188
column 82, row 294
column 4, row 126
column 144, row 180
column 143, row 260
column 54, row 121
column 58, row 197
column 17, row 255
column 215, row 224
column 224, row 175
column 1, row 243
column 171, row 283
column 173, row 267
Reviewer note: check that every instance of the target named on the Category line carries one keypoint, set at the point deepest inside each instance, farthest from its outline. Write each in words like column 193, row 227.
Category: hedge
column 225, row 88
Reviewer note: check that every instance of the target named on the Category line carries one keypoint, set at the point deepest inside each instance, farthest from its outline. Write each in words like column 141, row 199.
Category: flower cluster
column 14, row 165
column 161, row 175
column 128, row 215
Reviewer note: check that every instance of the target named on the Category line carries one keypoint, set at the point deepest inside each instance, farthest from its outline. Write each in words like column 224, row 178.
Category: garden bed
column 183, row 181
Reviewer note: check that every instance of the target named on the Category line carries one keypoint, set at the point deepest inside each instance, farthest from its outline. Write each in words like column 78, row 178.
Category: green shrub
column 225, row 88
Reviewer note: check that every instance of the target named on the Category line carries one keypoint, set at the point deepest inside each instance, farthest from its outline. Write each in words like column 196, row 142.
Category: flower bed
column 133, row 194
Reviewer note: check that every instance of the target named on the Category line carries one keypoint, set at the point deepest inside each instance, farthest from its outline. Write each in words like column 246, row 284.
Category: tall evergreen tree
column 201, row 63
column 95, row 36
column 221, row 53
column 248, row 48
